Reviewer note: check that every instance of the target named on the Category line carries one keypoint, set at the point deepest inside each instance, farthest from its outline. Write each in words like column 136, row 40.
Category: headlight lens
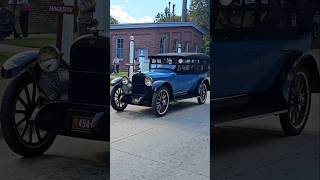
column 148, row 81
column 49, row 58
column 125, row 80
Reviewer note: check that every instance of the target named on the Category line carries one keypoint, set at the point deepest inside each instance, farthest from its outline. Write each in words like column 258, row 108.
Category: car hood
column 159, row 73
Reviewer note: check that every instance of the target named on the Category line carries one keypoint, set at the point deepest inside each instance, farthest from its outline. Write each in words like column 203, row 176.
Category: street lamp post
column 131, row 60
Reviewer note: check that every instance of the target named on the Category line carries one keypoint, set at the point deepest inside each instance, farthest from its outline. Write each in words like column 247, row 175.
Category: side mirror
column 225, row 2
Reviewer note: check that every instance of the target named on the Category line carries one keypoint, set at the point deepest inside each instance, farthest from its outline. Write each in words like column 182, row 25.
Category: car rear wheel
column 299, row 100
column 22, row 134
column 203, row 93
column 116, row 97
column 161, row 101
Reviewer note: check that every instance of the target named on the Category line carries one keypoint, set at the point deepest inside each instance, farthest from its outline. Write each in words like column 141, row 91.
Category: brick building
column 40, row 19
column 154, row 38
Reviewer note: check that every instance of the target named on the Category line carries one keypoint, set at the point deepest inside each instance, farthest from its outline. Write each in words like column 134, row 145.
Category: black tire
column 18, row 101
column 203, row 93
column 116, row 95
column 161, row 101
column 299, row 101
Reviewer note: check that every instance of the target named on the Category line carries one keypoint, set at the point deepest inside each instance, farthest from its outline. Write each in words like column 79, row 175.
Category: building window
column 175, row 45
column 186, row 46
column 163, row 45
column 120, row 45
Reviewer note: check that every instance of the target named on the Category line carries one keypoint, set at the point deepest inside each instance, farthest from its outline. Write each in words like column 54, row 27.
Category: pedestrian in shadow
column 85, row 17
column 12, row 5
column 25, row 9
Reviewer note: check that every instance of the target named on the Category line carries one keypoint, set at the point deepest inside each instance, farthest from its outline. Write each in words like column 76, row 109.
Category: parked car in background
column 171, row 77
column 262, row 64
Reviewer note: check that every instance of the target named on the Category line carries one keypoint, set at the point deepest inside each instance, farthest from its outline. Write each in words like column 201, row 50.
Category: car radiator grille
column 138, row 86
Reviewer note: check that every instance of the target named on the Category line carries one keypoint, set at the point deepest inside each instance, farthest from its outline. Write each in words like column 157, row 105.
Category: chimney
column 169, row 11
column 173, row 11
column 184, row 11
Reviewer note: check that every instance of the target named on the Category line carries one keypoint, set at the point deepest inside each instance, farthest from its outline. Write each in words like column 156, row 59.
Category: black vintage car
column 47, row 97
column 170, row 77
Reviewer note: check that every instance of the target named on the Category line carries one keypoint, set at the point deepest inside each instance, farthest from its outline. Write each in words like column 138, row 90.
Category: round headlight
column 125, row 80
column 49, row 58
column 148, row 81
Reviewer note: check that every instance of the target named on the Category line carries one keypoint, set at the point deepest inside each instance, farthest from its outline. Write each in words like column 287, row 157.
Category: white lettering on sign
column 61, row 9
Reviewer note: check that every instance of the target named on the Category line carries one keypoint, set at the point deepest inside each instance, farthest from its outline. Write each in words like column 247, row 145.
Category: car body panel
column 17, row 63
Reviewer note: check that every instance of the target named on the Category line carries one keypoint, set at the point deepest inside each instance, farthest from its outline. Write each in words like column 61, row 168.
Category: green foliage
column 200, row 13
column 113, row 20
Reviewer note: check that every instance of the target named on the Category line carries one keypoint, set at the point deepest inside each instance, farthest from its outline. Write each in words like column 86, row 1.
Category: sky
column 141, row 11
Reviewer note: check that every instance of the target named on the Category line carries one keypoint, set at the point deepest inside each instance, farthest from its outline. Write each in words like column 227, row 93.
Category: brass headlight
column 49, row 58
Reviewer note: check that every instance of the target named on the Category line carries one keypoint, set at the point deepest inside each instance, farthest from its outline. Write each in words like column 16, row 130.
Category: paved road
column 257, row 149
column 173, row 147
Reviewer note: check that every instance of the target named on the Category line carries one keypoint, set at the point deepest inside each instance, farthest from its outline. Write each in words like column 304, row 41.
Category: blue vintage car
column 264, row 62
column 171, row 77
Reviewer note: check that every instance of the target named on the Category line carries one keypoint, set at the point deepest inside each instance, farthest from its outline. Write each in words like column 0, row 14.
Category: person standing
column 85, row 17
column 136, row 65
column 25, row 9
column 116, row 64
column 12, row 5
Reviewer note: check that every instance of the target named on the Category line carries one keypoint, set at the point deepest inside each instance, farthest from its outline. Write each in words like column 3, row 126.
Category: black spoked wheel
column 20, row 130
column 116, row 99
column 299, row 100
column 203, row 93
column 161, row 101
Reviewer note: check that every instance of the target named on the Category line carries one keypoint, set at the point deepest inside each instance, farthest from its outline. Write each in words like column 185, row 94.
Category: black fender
column 18, row 63
column 116, row 81
column 157, row 84
column 308, row 61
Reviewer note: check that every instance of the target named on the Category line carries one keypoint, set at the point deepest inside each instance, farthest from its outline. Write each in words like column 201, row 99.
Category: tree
column 200, row 13
column 167, row 16
column 113, row 20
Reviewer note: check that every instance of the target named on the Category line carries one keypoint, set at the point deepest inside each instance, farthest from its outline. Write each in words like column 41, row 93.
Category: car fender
column 157, row 84
column 18, row 63
column 116, row 81
column 306, row 60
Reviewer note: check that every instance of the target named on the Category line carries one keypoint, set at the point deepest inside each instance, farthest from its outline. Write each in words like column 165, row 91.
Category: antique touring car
column 171, row 77
column 262, row 60
column 47, row 97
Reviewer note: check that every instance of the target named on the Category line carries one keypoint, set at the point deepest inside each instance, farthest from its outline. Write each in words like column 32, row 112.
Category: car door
column 235, row 56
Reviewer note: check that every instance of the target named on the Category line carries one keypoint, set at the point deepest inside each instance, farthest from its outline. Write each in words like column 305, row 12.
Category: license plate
column 82, row 123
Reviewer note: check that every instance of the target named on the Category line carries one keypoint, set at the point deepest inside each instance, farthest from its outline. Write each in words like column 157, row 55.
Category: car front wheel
column 161, row 101
column 116, row 99
column 294, row 121
column 21, row 132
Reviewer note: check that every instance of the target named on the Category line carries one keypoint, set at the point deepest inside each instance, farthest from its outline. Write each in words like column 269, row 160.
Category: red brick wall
column 40, row 19
column 150, row 38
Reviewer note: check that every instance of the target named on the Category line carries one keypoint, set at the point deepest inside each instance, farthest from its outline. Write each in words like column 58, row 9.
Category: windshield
column 263, row 18
column 162, row 63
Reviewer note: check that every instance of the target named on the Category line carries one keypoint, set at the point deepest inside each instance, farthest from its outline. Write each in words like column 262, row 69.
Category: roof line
column 157, row 25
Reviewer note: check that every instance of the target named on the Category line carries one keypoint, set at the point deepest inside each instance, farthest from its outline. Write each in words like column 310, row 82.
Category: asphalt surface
column 258, row 149
column 176, row 146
